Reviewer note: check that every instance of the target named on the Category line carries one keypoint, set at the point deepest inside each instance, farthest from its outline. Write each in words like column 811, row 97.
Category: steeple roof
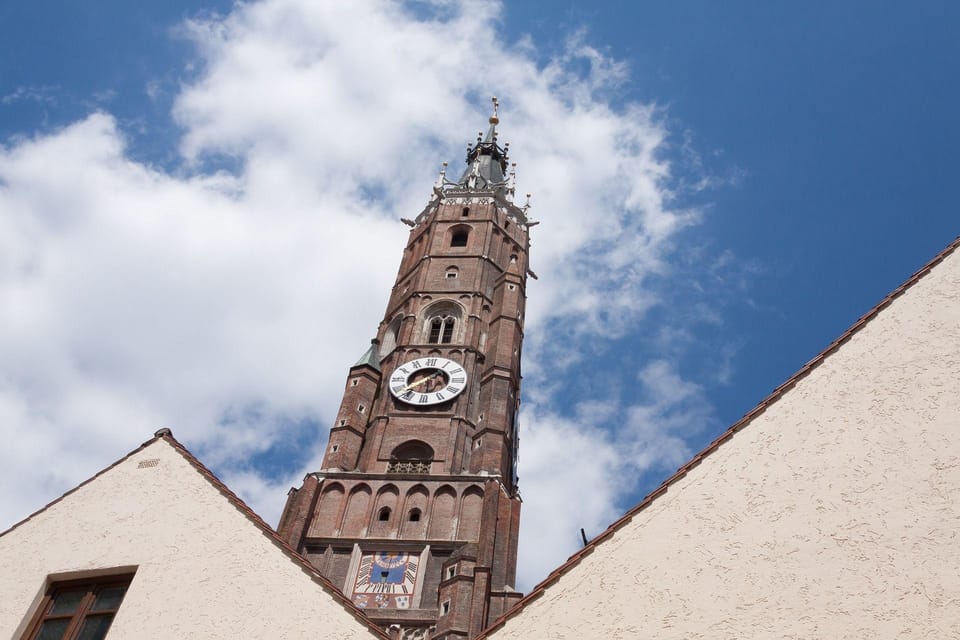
column 487, row 160
column 487, row 174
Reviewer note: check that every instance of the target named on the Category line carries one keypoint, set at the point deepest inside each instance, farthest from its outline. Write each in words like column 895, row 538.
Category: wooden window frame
column 83, row 611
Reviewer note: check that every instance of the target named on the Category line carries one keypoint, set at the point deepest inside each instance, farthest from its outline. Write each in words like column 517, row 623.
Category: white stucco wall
column 204, row 570
column 834, row 514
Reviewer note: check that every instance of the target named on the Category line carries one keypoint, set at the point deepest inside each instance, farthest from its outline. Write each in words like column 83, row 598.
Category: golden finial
column 495, row 118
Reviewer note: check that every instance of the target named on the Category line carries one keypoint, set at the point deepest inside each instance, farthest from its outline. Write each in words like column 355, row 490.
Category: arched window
column 390, row 336
column 412, row 456
column 441, row 329
column 384, row 514
column 415, row 505
column 441, row 322
column 459, row 235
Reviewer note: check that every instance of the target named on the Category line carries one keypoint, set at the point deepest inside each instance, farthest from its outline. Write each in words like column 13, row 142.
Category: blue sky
column 723, row 189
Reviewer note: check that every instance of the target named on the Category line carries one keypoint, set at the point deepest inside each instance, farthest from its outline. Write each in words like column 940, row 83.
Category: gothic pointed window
column 441, row 329
column 389, row 341
column 442, row 321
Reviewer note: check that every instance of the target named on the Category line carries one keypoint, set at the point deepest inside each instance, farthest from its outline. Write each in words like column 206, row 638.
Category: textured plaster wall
column 204, row 570
column 834, row 514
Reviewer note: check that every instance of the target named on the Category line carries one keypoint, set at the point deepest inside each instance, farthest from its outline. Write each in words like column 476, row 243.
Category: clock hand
column 411, row 386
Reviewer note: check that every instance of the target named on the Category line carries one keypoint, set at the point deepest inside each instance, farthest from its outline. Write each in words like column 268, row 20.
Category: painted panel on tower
column 386, row 580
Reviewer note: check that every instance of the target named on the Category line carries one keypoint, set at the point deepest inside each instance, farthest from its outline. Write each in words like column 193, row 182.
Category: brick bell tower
column 415, row 513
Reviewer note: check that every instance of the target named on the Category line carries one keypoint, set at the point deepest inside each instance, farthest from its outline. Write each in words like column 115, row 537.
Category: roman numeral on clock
column 428, row 380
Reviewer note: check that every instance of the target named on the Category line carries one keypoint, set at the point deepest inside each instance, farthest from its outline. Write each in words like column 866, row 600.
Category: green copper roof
column 371, row 357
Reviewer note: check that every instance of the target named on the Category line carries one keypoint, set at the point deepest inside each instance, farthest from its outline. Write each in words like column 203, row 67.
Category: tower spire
column 487, row 160
column 415, row 509
column 494, row 120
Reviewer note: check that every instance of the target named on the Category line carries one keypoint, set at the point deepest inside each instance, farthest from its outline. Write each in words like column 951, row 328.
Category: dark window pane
column 435, row 326
column 109, row 598
column 95, row 627
column 447, row 330
column 53, row 629
column 67, row 601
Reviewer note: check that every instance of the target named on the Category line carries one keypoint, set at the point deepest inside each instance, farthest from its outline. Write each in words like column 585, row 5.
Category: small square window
column 445, row 608
column 79, row 608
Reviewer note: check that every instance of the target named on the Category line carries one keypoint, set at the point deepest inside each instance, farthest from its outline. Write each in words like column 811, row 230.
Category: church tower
column 415, row 512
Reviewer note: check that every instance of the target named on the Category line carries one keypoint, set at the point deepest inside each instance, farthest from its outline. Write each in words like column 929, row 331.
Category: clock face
column 385, row 580
column 426, row 381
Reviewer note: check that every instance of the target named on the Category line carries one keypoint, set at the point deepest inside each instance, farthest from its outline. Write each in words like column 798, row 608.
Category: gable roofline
column 242, row 507
column 775, row 395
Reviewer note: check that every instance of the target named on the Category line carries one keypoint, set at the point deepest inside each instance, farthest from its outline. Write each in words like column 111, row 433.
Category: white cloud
column 228, row 306
column 576, row 469
column 38, row 94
